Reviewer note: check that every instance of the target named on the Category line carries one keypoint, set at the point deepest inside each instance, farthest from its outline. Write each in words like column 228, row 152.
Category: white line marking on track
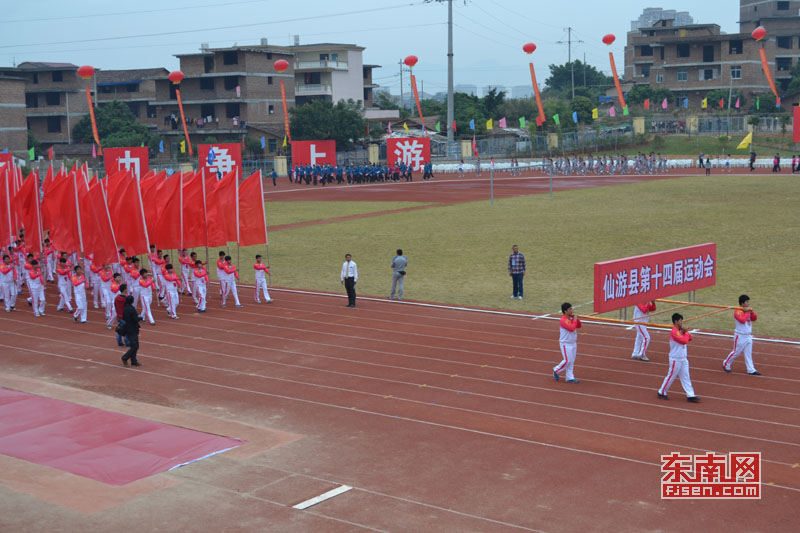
column 322, row 497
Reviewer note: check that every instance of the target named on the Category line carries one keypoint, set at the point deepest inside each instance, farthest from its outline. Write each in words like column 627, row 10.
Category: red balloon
column 411, row 60
column 86, row 71
column 759, row 33
column 528, row 48
column 609, row 38
column 176, row 76
column 281, row 65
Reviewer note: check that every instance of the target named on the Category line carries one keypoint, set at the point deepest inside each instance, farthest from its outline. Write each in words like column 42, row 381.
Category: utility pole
column 569, row 56
column 402, row 101
column 450, row 102
column 584, row 69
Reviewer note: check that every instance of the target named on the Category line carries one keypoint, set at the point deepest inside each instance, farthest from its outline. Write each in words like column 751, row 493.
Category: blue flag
column 211, row 156
column 575, row 117
column 5, row 151
column 263, row 143
column 472, row 124
column 686, row 103
column 161, row 147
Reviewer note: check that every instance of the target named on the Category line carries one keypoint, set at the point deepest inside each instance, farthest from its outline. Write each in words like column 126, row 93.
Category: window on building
column 735, row 47
column 783, row 6
column 132, row 88
column 269, row 80
column 35, row 77
column 271, row 109
column 207, row 84
column 784, row 42
column 208, row 64
column 269, row 55
column 736, row 72
column 661, row 50
column 58, row 76
column 709, row 74
column 232, row 110
column 783, row 64
column 708, row 54
column 53, row 99
column 152, row 111
column 230, row 58
column 231, row 82
column 54, row 124
column 646, row 50
column 272, row 145
column 683, row 74
column 659, row 78
column 31, row 100
column 207, row 110
column 684, row 50
column 105, row 89
column 313, row 78
column 645, row 70
column 134, row 107
column 323, row 57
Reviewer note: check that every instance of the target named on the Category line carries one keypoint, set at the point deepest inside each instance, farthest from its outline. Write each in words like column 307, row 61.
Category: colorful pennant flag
column 389, row 127
column 183, row 147
column 161, row 146
column 474, row 146
column 625, row 111
column 489, row 124
column 405, row 127
column 556, row 119
column 686, row 103
column 747, row 141
column 502, row 122
column 540, row 120
column 594, row 113
column 31, row 153
column 285, row 143
column 721, row 103
column 94, row 150
column 263, row 142
column 758, row 103
column 438, row 127
column 704, row 105
column 472, row 124
column 454, row 127
column 521, row 122
column 737, row 102
column 50, row 154
column 575, row 117
column 664, row 104
column 646, row 104
column 612, row 111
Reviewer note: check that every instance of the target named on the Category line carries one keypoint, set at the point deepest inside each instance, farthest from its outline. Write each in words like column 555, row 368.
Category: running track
column 441, row 419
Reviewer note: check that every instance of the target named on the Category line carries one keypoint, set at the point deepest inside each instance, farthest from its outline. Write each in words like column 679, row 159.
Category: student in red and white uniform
column 79, row 289
column 116, row 267
column 133, row 286
column 221, row 272
column 231, row 276
column 200, row 276
column 568, row 340
column 113, row 290
column 49, row 260
column 679, row 337
column 26, row 276
column 106, row 276
column 126, row 271
column 8, row 283
column 192, row 264
column 87, row 268
column 172, row 283
column 97, row 286
column 186, row 270
column 64, row 275
column 158, row 262
column 262, row 271
column 19, row 260
column 743, row 337
column 146, row 285
column 36, row 283
column 641, row 313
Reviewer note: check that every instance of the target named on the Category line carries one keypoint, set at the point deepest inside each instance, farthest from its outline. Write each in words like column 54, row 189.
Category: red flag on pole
column 221, row 200
column 194, row 216
column 28, row 200
column 474, row 146
column 454, row 127
column 796, row 124
column 252, row 229
column 646, row 104
column 721, row 103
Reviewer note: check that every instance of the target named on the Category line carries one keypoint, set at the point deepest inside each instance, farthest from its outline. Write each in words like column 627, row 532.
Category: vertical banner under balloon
column 768, row 74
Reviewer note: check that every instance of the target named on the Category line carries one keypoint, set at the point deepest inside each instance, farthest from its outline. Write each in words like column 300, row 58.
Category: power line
column 505, row 24
column 237, row 26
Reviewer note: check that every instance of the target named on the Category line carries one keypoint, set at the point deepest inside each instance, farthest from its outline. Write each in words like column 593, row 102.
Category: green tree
column 492, row 102
column 432, row 107
column 763, row 103
column 253, row 146
column 638, row 94
column 518, row 107
column 658, row 95
column 583, row 106
column 385, row 100
column 320, row 119
column 561, row 77
column 466, row 108
column 116, row 126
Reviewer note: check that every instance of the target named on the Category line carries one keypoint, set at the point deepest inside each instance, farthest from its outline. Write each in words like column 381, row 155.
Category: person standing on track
column 261, row 271
column 119, row 309
column 172, row 282
column 36, row 285
column 231, row 277
column 399, row 264
column 131, row 320
column 349, row 279
column 516, row 269
column 679, row 337
column 568, row 341
column 200, row 277
column 146, row 285
column 743, row 338
column 8, row 283
column 641, row 313
column 79, row 290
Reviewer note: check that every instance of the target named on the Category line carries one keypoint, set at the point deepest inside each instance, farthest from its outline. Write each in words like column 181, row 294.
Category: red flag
column 222, row 211
column 99, row 239
column 194, row 214
column 474, row 146
column 252, row 219
column 127, row 214
column 539, row 120
column 5, row 205
column 646, row 104
column 50, row 153
column 796, row 124
column 94, row 150
column 721, row 103
column 28, row 201
column 454, row 127
column 165, row 223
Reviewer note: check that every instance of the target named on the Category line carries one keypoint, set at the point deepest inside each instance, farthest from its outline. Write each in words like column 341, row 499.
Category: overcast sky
column 488, row 34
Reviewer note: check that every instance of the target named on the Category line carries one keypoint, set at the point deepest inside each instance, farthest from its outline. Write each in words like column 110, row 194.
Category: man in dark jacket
column 132, row 320
column 119, row 307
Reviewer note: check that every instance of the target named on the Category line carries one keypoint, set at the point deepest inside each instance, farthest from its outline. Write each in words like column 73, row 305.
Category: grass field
column 280, row 213
column 690, row 146
column 458, row 253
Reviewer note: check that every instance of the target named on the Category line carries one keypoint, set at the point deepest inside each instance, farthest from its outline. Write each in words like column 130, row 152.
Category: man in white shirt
column 349, row 279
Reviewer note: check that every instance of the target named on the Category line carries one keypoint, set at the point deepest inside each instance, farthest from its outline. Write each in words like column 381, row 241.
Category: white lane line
column 322, row 497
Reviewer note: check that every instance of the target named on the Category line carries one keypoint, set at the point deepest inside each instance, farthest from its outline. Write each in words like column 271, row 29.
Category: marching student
column 261, row 279
column 192, row 263
column 743, row 338
column 171, row 285
column 641, row 313
column 26, row 275
column 679, row 337
column 162, row 261
column 231, row 276
column 200, row 276
column 114, row 289
column 133, row 286
column 568, row 340
column 146, row 285
column 64, row 273
column 8, row 283
column 157, row 264
column 221, row 272
column 186, row 269
column 49, row 260
column 106, row 277
column 79, row 289
column 36, row 285
column 97, row 288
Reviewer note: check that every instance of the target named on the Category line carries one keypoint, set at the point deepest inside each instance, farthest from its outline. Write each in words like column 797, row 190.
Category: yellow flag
column 594, row 113
column 705, row 102
column 489, row 124
column 183, row 147
column 747, row 141
column 284, row 141
column 405, row 127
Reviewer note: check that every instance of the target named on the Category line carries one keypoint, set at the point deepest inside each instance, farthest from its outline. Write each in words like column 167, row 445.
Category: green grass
column 279, row 213
column 458, row 253
column 690, row 146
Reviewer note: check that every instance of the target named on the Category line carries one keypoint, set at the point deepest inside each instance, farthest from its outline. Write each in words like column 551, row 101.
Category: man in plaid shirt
column 516, row 269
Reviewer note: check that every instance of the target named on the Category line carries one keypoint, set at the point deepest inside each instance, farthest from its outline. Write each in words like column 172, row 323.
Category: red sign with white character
column 6, row 160
column 219, row 159
column 633, row 280
column 413, row 151
column 134, row 158
column 313, row 153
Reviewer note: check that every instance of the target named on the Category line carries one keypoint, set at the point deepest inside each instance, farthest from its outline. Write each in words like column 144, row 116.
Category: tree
column 432, row 107
column 385, row 100
column 320, row 119
column 584, row 107
column 722, row 94
column 764, row 103
column 492, row 101
column 519, row 107
column 561, row 77
column 116, row 126
column 638, row 94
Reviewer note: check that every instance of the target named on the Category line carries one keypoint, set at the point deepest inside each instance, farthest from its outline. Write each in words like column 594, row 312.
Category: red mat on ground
column 104, row 446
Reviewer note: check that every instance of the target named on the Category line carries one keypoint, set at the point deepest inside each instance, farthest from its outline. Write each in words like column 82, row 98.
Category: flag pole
column 205, row 207
column 264, row 212
column 77, row 209
column 238, row 247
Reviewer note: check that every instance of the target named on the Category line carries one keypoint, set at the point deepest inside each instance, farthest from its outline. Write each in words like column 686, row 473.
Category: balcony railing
column 321, row 64
column 313, row 89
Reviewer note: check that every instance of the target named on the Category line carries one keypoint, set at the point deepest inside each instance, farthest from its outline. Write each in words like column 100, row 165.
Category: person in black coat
column 131, row 319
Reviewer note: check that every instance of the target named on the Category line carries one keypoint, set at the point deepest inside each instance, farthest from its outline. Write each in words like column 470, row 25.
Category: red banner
column 135, row 158
column 414, row 151
column 796, row 124
column 6, row 161
column 633, row 280
column 314, row 152
column 225, row 158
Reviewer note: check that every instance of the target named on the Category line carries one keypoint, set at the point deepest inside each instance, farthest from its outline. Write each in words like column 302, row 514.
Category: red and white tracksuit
column 200, row 285
column 64, row 287
column 133, row 286
column 106, row 278
column 97, row 288
column 111, row 311
column 186, row 271
column 568, row 341
column 171, row 285
column 8, row 285
column 36, row 285
column 261, row 281
column 742, row 339
column 221, row 275
column 230, row 275
column 678, row 363
column 79, row 289
column 146, row 297
column 641, row 313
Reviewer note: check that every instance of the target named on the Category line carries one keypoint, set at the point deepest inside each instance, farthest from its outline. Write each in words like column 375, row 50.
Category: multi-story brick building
column 135, row 87
column 13, row 122
column 692, row 60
